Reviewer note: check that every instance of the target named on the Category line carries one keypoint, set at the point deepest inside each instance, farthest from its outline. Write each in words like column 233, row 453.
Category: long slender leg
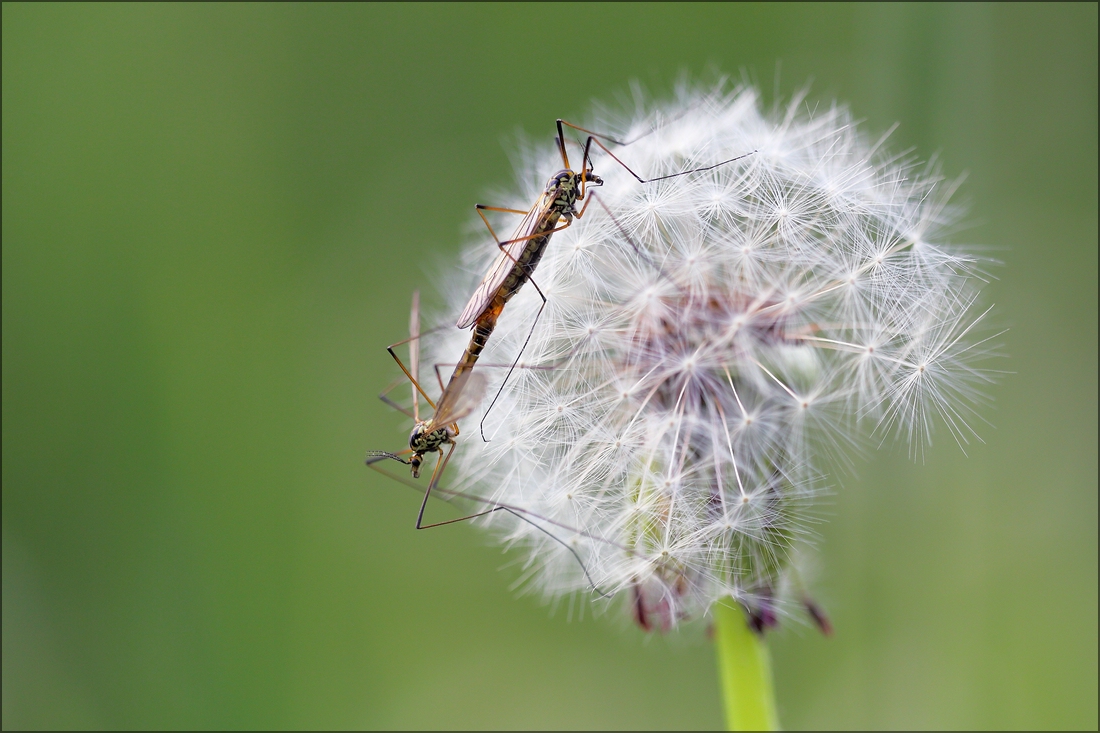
column 560, row 140
column 482, row 208
column 597, row 138
column 512, row 368
column 439, row 466
column 504, row 243
column 506, row 210
column 501, row 245
column 650, row 131
column 523, row 514
column 670, row 175
column 384, row 395
column 555, row 364
column 405, row 369
column 548, row 533
column 637, row 250
column 527, row 340
column 444, row 494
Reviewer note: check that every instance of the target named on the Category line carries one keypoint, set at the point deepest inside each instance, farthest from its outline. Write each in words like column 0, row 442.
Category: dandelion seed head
column 711, row 344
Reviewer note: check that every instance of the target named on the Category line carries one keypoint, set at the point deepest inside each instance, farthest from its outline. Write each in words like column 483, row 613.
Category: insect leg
column 406, row 370
column 535, row 367
column 515, row 512
column 439, row 466
column 595, row 137
column 483, row 207
column 530, row 332
column 670, row 175
column 555, row 364
column 481, row 425
column 385, row 397
column 502, row 244
column 637, row 250
column 648, row 132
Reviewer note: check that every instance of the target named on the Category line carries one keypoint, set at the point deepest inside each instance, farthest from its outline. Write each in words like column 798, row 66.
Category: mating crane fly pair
column 514, row 266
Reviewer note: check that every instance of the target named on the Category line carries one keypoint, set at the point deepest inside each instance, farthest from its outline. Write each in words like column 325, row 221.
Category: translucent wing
column 502, row 265
column 461, row 397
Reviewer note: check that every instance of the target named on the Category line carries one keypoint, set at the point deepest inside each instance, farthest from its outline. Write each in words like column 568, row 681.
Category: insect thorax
column 562, row 186
column 425, row 440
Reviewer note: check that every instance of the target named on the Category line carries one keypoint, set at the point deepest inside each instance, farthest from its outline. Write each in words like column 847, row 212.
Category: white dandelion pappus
column 727, row 334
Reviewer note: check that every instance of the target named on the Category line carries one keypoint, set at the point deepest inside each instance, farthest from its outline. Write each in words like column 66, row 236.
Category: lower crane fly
column 460, row 397
column 520, row 255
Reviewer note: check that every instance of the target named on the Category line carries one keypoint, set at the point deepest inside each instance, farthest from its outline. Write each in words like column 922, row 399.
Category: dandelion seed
column 731, row 334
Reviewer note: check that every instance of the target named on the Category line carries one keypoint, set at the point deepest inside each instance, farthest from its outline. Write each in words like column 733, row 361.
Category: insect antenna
column 374, row 456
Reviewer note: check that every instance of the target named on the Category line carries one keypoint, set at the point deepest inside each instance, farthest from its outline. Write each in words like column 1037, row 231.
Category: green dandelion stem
column 745, row 670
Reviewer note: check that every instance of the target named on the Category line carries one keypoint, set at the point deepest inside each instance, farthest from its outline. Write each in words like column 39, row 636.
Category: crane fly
column 461, row 395
column 520, row 255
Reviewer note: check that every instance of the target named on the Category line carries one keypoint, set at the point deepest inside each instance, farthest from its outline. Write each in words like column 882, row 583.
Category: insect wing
column 460, row 398
column 502, row 265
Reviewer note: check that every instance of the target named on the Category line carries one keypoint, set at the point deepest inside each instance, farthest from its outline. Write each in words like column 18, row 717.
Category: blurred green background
column 213, row 218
